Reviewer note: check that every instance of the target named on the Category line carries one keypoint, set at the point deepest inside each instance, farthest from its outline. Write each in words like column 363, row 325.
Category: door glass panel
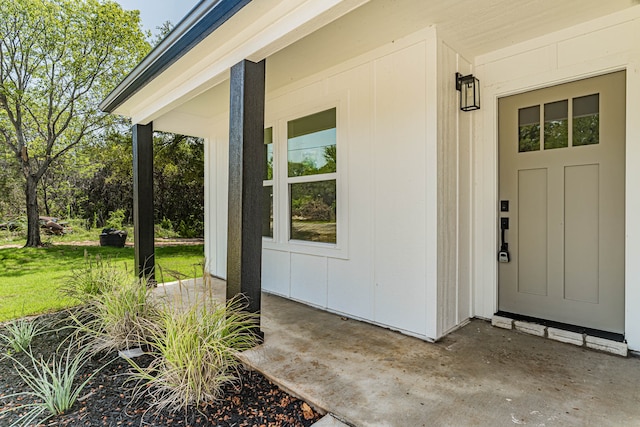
column 312, row 144
column 556, row 125
column 586, row 120
column 529, row 129
column 313, row 211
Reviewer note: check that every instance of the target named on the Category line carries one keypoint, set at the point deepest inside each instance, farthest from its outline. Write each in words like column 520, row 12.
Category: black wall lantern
column 469, row 88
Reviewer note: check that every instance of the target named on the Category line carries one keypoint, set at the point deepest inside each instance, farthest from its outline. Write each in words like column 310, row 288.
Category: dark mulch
column 107, row 399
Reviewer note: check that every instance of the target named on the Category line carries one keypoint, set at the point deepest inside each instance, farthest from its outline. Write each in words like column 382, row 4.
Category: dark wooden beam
column 143, row 217
column 246, row 164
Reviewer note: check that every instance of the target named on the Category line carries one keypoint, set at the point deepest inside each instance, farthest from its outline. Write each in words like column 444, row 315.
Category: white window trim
column 272, row 183
column 281, row 182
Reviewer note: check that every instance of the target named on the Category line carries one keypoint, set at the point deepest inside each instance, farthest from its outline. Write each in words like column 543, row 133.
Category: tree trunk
column 33, row 220
column 45, row 199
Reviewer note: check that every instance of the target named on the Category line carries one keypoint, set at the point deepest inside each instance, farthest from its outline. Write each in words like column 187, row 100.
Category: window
column 563, row 128
column 556, row 125
column 311, row 177
column 529, row 129
column 267, row 183
column 300, row 184
column 586, row 120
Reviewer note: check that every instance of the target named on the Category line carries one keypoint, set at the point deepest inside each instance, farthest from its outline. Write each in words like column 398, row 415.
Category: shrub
column 195, row 351
column 112, row 320
column 19, row 334
column 192, row 227
column 51, row 383
column 165, row 224
column 184, row 230
column 96, row 277
column 164, row 233
column 116, row 219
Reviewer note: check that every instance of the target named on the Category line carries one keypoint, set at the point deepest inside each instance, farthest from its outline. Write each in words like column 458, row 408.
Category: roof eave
column 200, row 22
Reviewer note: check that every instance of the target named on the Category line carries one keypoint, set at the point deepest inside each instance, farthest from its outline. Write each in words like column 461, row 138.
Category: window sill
column 329, row 250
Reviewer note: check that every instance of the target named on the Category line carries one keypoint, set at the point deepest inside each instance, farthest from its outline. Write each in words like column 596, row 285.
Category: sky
column 154, row 12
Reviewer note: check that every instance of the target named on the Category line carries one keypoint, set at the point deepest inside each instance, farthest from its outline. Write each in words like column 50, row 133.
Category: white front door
column 562, row 176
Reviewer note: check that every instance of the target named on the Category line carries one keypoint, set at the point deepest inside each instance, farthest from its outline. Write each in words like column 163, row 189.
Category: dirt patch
column 157, row 242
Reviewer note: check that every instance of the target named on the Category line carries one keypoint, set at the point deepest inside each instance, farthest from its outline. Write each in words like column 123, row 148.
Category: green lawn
column 30, row 278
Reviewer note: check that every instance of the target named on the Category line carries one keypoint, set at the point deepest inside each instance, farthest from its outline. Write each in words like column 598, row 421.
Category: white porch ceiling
column 479, row 27
column 472, row 27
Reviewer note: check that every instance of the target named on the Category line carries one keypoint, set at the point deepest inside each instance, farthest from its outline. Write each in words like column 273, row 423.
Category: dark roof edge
column 201, row 21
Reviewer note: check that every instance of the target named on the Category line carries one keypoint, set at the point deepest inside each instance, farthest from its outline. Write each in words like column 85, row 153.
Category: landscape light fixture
column 469, row 88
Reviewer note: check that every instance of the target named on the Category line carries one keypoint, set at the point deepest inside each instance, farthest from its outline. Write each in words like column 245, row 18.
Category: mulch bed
column 107, row 399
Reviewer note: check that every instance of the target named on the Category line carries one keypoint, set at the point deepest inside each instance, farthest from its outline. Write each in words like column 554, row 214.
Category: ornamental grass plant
column 195, row 351
column 19, row 334
column 96, row 277
column 115, row 319
column 53, row 385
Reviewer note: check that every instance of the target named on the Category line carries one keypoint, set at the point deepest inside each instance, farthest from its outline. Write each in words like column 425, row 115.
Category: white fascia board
column 263, row 33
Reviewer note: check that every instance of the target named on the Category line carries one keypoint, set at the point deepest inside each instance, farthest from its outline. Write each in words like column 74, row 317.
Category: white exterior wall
column 397, row 260
column 454, row 196
column 597, row 47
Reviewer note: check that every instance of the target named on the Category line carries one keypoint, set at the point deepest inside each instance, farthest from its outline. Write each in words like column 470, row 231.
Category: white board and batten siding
column 454, row 194
column 601, row 46
column 399, row 261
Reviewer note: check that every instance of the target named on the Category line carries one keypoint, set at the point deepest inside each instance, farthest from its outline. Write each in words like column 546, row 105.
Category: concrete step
column 568, row 337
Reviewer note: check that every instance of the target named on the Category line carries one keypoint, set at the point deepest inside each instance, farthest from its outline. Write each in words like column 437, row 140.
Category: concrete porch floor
column 476, row 376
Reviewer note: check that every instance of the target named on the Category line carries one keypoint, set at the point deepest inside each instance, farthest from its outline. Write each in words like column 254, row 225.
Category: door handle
column 503, row 254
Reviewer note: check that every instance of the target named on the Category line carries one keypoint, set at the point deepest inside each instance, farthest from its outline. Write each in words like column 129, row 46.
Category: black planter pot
column 112, row 237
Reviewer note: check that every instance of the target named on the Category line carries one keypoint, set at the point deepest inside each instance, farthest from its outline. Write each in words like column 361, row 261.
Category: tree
column 178, row 178
column 58, row 60
column 9, row 188
column 110, row 185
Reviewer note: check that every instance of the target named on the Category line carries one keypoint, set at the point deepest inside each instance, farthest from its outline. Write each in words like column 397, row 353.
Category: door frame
column 552, row 167
column 486, row 173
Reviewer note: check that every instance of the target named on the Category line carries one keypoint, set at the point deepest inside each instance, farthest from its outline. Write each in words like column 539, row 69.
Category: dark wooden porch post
column 143, row 200
column 246, row 164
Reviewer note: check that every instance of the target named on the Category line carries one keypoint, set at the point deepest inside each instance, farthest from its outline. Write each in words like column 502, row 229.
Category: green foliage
column 179, row 182
column 314, row 201
column 586, row 130
column 110, row 186
column 58, row 60
column 556, row 134
column 194, row 227
column 113, row 319
column 165, row 224
column 52, row 383
column 11, row 188
column 96, row 277
column 195, row 350
column 162, row 31
column 13, row 229
column 529, row 138
column 19, row 334
column 165, row 229
column 116, row 219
